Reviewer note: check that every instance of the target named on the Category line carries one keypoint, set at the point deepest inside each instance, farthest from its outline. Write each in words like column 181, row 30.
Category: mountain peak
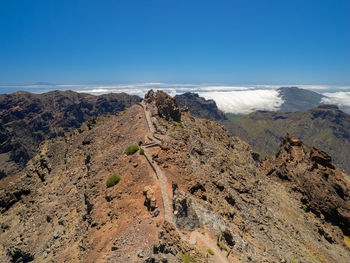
column 293, row 149
column 296, row 99
column 166, row 105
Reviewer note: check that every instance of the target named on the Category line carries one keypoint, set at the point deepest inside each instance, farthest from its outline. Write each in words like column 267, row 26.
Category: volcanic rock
column 325, row 190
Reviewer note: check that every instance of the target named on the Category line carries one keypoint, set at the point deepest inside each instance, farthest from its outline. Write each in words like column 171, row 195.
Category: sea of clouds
column 230, row 99
column 340, row 98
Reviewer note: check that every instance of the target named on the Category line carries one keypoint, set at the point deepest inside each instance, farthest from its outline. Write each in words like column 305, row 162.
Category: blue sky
column 237, row 42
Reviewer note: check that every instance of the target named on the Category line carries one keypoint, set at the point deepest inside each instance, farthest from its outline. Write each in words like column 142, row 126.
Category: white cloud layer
column 234, row 99
column 243, row 102
column 338, row 98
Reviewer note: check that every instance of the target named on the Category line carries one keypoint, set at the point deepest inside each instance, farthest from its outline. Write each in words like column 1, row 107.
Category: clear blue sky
column 239, row 42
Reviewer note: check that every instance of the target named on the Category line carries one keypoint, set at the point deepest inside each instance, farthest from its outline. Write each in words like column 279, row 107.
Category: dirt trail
column 195, row 238
column 199, row 239
column 159, row 174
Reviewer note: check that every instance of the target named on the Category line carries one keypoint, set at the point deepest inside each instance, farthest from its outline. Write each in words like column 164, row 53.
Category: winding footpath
column 195, row 237
column 168, row 215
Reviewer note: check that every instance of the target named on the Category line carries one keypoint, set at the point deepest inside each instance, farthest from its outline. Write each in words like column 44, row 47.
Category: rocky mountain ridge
column 216, row 202
column 26, row 119
column 324, row 126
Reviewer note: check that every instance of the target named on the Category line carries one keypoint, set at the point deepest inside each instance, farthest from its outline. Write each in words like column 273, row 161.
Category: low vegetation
column 180, row 124
column 220, row 243
column 211, row 252
column 305, row 207
column 142, row 151
column 131, row 149
column 186, row 258
column 112, row 180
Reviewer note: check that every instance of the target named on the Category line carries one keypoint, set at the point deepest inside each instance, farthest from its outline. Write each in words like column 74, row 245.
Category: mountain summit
column 296, row 99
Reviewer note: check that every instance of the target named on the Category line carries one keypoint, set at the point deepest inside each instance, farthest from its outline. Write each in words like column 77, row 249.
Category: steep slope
column 325, row 127
column 199, row 106
column 324, row 189
column 296, row 99
column 194, row 188
column 26, row 119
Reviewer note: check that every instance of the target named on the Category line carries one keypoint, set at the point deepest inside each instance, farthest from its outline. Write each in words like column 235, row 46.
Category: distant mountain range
column 325, row 127
column 302, row 114
column 296, row 99
column 26, row 119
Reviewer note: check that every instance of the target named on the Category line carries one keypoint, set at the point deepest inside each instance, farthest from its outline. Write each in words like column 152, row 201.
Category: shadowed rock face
column 325, row 191
column 166, row 105
column 26, row 119
column 199, row 106
column 184, row 213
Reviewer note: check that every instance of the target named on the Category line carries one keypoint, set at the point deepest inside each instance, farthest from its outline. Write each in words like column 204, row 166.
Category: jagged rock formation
column 150, row 201
column 26, row 119
column 211, row 191
column 184, row 213
column 323, row 188
column 199, row 106
column 325, row 127
column 166, row 106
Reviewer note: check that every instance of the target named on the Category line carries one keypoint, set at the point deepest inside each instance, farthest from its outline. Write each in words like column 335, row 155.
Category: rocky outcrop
column 172, row 249
column 14, row 193
column 199, row 106
column 150, row 201
column 185, row 215
column 166, row 105
column 310, row 171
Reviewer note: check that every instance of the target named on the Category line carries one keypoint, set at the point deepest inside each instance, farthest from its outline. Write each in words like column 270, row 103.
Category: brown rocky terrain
column 324, row 126
column 196, row 194
column 324, row 189
column 26, row 119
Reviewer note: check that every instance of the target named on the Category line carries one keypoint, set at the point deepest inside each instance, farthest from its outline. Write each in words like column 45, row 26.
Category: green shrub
column 186, row 258
column 305, row 207
column 112, row 180
column 180, row 124
column 211, row 252
column 131, row 149
column 142, row 151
